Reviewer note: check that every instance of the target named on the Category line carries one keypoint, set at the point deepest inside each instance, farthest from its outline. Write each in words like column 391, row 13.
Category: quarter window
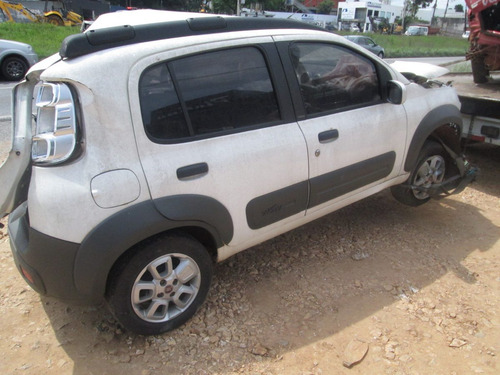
column 207, row 94
column 333, row 78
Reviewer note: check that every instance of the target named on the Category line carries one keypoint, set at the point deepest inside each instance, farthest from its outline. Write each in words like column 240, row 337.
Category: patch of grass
column 462, row 67
column 45, row 38
column 420, row 46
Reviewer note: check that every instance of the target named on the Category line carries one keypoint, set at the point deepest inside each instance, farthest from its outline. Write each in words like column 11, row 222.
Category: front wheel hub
column 431, row 172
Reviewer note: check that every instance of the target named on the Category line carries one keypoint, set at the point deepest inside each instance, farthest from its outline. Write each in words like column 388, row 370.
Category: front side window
column 333, row 78
column 201, row 95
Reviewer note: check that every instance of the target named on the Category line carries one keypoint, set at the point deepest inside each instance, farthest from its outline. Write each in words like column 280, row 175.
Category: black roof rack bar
column 101, row 39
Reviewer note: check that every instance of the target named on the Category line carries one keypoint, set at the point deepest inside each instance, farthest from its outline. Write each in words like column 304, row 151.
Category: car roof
column 141, row 17
column 122, row 28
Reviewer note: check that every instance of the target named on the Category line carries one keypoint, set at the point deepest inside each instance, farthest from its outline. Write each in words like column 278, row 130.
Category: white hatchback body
column 222, row 138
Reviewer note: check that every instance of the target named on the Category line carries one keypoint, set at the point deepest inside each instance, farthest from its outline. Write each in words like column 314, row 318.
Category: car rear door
column 216, row 133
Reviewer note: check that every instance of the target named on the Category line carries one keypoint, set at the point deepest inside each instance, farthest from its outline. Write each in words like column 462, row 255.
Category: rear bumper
column 45, row 262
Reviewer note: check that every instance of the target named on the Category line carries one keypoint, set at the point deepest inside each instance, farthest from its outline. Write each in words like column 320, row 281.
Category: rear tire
column 161, row 286
column 479, row 71
column 54, row 20
column 431, row 167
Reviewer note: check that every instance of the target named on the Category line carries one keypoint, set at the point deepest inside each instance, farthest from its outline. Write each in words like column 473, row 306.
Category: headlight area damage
column 430, row 182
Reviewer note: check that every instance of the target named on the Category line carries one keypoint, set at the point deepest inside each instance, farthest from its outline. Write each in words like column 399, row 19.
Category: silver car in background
column 15, row 59
column 367, row 43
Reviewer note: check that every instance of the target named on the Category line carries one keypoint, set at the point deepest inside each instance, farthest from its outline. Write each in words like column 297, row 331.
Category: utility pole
column 433, row 13
column 446, row 9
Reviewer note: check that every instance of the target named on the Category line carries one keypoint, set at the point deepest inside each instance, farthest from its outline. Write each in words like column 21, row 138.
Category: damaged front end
column 438, row 176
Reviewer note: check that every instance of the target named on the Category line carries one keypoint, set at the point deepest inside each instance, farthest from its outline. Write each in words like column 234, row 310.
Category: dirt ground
column 418, row 289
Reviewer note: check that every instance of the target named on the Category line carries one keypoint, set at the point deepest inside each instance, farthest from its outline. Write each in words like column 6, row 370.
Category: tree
column 224, row 6
column 325, row 7
column 411, row 8
column 459, row 8
column 415, row 5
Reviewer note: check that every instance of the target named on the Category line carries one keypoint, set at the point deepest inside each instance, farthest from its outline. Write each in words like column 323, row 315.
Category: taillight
column 56, row 125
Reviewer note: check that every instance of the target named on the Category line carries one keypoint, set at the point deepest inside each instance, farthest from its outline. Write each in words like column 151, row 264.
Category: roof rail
column 101, row 39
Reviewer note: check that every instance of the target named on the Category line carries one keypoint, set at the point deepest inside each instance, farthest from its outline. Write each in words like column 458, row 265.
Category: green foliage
column 45, row 38
column 224, row 6
column 459, row 8
column 414, row 5
column 325, row 7
column 421, row 46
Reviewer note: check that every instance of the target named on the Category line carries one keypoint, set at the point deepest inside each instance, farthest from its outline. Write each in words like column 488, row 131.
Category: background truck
column 484, row 51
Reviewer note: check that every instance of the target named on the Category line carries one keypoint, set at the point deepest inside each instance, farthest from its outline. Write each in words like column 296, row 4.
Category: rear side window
column 208, row 94
column 333, row 78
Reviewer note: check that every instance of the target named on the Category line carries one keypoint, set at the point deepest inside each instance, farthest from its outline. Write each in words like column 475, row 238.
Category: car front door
column 218, row 140
column 355, row 139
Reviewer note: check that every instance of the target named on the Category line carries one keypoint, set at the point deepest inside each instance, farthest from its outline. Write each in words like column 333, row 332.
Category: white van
column 417, row 30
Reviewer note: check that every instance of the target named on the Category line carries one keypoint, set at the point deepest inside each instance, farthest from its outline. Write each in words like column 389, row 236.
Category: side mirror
column 396, row 92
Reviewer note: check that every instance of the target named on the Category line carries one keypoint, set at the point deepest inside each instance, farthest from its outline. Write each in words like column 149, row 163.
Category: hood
column 424, row 70
column 13, row 44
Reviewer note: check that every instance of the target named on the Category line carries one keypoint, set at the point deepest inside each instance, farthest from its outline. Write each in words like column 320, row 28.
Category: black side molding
column 342, row 181
column 277, row 205
column 101, row 39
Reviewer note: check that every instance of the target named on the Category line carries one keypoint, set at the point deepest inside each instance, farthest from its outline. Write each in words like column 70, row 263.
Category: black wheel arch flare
column 107, row 242
column 436, row 118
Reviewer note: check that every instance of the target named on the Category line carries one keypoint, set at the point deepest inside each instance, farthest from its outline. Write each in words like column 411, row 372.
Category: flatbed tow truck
column 480, row 107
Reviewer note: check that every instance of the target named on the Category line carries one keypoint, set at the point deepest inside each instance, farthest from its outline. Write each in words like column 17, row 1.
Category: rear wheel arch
column 122, row 235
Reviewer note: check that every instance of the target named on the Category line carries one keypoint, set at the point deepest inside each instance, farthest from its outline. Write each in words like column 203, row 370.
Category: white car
column 165, row 142
column 15, row 59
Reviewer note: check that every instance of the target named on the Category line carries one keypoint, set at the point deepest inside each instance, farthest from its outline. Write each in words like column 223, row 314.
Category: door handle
column 191, row 171
column 328, row 136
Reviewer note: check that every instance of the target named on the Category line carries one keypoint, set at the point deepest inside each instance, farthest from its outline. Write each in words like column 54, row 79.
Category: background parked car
column 367, row 43
column 15, row 59
column 417, row 30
